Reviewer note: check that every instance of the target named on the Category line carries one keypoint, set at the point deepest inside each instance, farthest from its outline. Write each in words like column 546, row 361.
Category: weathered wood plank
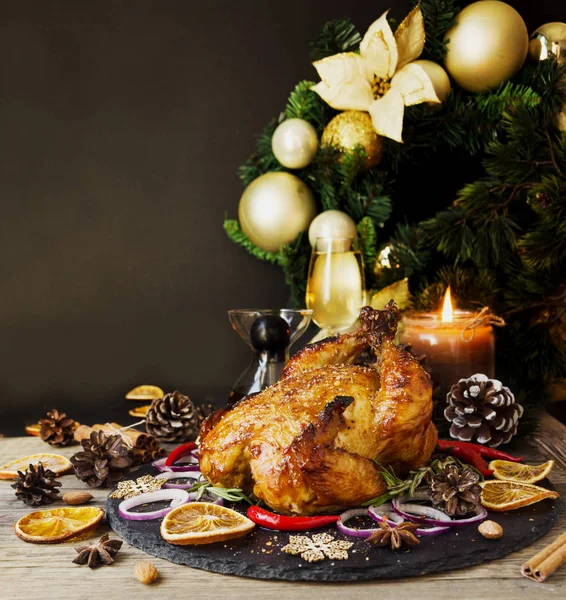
column 35, row 571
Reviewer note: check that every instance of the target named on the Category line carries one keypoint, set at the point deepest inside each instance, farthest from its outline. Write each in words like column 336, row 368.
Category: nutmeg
column 490, row 530
column 146, row 572
column 74, row 498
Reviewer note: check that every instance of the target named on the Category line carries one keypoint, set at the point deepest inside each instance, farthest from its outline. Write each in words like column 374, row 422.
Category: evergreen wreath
column 501, row 243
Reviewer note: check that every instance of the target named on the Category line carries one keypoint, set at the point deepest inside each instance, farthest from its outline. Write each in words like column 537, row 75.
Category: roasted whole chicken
column 310, row 443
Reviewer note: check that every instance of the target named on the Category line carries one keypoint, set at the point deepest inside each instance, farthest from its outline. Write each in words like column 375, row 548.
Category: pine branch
column 233, row 231
column 336, row 36
column 368, row 246
column 263, row 161
column 438, row 16
column 305, row 104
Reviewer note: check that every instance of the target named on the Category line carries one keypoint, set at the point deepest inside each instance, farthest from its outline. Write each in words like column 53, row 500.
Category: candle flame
column 447, row 313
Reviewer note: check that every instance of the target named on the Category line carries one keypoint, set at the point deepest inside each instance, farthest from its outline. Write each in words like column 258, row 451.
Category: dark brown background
column 122, row 124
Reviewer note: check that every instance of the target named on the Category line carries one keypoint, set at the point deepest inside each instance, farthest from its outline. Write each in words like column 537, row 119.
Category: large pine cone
column 37, row 486
column 456, row 491
column 173, row 418
column 104, row 461
column 482, row 409
column 57, row 429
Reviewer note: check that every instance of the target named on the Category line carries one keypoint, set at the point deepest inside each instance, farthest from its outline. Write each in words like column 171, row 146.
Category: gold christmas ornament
column 561, row 120
column 548, row 40
column 487, row 46
column 274, row 209
column 332, row 224
column 439, row 78
column 294, row 143
column 354, row 128
column 383, row 78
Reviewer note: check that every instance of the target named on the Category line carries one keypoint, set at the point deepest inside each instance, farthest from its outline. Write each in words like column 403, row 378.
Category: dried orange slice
column 512, row 471
column 145, row 393
column 55, row 462
column 203, row 523
column 33, row 429
column 58, row 524
column 139, row 411
column 500, row 496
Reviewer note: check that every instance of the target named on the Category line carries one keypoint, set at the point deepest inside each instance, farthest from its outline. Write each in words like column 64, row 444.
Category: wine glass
column 270, row 334
column 335, row 286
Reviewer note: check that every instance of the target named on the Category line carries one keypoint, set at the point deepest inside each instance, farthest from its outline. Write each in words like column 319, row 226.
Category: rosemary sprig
column 229, row 494
column 408, row 487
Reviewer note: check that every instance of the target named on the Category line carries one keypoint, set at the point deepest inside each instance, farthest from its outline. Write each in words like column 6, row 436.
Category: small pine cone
column 57, row 429
column 456, row 491
column 104, row 461
column 37, row 486
column 483, row 410
column 173, row 418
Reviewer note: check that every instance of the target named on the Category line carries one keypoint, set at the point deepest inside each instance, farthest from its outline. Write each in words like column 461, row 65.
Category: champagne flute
column 335, row 286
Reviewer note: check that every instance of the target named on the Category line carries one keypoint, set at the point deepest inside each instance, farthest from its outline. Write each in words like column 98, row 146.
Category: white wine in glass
column 335, row 286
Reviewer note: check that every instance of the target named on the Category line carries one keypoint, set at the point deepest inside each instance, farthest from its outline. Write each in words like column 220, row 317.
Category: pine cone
column 483, row 409
column 173, row 418
column 57, row 429
column 104, row 461
column 456, row 491
column 37, row 486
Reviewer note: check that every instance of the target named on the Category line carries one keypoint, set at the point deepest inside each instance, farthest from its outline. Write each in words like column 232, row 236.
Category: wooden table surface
column 46, row 571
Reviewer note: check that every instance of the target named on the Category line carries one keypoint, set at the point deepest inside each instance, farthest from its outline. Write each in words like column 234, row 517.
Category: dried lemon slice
column 145, row 393
column 58, row 524
column 33, row 429
column 55, row 462
column 500, row 496
column 203, row 523
column 512, row 471
column 139, row 411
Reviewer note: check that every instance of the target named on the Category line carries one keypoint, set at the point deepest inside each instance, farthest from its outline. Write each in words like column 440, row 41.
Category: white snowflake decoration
column 320, row 547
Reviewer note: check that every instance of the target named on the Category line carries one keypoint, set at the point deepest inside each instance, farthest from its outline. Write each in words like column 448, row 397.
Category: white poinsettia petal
column 345, row 81
column 379, row 48
column 350, row 96
column 410, row 37
column 387, row 115
column 416, row 87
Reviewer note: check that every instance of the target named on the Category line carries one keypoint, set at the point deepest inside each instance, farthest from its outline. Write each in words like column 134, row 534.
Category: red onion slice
column 349, row 514
column 431, row 516
column 395, row 519
column 194, row 475
column 177, row 498
column 177, row 468
column 385, row 511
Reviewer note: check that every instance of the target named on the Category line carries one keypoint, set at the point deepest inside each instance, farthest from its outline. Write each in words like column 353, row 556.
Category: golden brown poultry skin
column 310, row 443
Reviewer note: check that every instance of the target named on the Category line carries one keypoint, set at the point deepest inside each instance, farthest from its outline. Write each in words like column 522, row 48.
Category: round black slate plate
column 259, row 554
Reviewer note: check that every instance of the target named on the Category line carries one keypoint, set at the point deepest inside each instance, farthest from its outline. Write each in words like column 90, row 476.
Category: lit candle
column 452, row 352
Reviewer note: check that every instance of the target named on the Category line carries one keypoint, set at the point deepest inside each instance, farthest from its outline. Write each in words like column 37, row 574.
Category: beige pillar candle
column 451, row 352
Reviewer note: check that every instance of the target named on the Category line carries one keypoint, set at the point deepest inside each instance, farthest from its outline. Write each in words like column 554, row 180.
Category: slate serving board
column 259, row 554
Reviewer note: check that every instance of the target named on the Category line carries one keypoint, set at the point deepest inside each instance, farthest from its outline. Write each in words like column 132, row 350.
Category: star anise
column 395, row 535
column 99, row 554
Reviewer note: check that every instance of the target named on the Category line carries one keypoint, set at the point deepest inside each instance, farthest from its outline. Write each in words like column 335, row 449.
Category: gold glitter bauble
column 548, row 40
column 274, row 209
column 487, row 45
column 354, row 128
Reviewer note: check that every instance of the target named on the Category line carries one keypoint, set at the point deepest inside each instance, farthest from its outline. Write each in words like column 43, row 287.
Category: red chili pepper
column 179, row 452
column 471, row 457
column 480, row 449
column 270, row 520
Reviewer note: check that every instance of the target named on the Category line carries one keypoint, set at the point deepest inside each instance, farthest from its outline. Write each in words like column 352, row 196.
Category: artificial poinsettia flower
column 382, row 79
